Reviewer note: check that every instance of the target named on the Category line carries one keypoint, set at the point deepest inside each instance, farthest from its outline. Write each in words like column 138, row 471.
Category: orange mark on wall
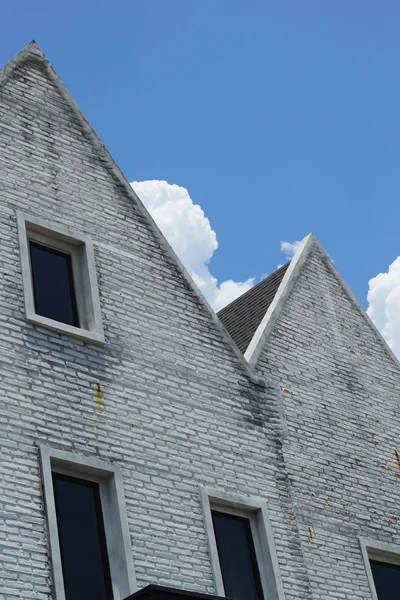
column 396, row 454
column 98, row 395
column 311, row 536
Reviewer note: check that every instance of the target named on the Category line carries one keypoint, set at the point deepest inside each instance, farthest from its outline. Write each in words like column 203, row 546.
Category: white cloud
column 189, row 232
column 289, row 249
column 384, row 302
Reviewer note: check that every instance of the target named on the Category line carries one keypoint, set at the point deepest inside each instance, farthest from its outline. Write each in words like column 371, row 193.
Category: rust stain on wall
column 98, row 395
column 311, row 536
column 396, row 454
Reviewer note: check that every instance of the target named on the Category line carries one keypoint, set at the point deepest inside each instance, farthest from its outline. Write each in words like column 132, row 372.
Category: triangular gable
column 266, row 326
column 33, row 52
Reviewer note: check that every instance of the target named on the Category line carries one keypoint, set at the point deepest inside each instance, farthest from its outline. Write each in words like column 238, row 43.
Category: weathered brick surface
column 178, row 408
column 340, row 393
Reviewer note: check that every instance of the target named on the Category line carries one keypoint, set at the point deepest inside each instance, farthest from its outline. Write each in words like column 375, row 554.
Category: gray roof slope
column 242, row 316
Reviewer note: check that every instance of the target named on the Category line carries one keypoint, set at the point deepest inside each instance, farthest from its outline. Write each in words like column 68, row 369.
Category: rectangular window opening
column 53, row 284
column 241, row 544
column 59, row 279
column 237, row 556
column 89, row 540
column 386, row 579
column 82, row 539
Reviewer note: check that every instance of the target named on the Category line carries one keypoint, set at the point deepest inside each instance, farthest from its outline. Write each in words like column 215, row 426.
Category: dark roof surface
column 242, row 316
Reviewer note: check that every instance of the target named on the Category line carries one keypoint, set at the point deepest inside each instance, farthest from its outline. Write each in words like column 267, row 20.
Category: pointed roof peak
column 33, row 46
column 32, row 49
column 287, row 282
column 257, row 343
column 245, row 318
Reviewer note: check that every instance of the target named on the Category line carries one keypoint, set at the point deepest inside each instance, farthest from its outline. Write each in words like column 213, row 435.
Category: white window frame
column 254, row 509
column 109, row 478
column 84, row 273
column 380, row 551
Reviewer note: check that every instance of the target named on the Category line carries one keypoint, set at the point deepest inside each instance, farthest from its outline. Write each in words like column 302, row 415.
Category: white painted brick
column 178, row 403
column 340, row 396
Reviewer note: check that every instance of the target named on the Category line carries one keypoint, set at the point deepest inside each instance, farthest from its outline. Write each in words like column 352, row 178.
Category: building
column 146, row 441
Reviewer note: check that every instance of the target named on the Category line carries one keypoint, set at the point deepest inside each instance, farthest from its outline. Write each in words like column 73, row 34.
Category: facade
column 150, row 448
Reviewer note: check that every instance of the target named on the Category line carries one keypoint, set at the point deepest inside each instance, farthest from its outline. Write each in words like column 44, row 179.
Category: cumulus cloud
column 289, row 249
column 384, row 302
column 190, row 234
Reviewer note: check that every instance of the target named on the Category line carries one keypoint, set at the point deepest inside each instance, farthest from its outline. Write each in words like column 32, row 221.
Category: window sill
column 95, row 337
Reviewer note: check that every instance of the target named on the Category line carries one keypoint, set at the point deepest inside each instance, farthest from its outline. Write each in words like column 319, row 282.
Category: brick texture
column 339, row 389
column 178, row 409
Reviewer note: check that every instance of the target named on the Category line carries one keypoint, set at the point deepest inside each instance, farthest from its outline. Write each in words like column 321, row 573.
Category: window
column 87, row 518
column 242, row 551
column 382, row 565
column 81, row 534
column 59, row 276
column 237, row 556
column 386, row 579
column 53, row 284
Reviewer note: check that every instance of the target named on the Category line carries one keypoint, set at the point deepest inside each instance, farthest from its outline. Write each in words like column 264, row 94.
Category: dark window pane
column 53, row 285
column 386, row 579
column 237, row 557
column 83, row 547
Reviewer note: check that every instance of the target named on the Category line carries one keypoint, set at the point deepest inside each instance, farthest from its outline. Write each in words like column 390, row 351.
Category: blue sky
column 278, row 117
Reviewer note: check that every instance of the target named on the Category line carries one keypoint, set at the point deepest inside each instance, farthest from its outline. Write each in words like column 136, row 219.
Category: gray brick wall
column 178, row 409
column 340, row 393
